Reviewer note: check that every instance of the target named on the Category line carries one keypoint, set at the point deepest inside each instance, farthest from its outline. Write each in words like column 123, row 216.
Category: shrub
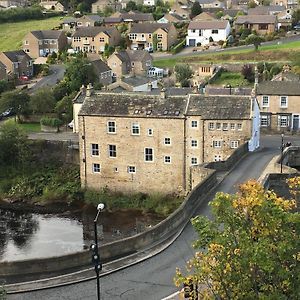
column 177, row 47
column 52, row 122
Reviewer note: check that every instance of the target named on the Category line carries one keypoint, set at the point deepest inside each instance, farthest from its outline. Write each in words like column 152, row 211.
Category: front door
column 295, row 122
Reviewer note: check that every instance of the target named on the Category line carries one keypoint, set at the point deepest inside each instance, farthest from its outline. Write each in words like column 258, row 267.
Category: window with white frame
column 112, row 150
column 194, row 160
column 111, row 127
column 150, row 131
column 77, row 39
column 232, row 126
column 218, row 126
column 283, row 121
column 149, row 154
column 131, row 169
column 95, row 149
column 167, row 141
column 26, row 42
column 234, row 144
column 101, row 40
column 225, row 126
column 239, row 126
column 194, row 143
column 264, row 121
column 217, row 157
column 283, row 101
column 265, row 101
column 159, row 45
column 217, row 144
column 167, row 159
column 211, row 126
column 132, row 36
column 135, row 129
column 194, row 124
column 159, row 36
column 96, row 168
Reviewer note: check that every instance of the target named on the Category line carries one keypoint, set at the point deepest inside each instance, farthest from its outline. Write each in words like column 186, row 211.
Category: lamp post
column 95, row 250
column 282, row 147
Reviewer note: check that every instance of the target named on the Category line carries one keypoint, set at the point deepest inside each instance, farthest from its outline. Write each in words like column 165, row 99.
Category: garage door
column 192, row 42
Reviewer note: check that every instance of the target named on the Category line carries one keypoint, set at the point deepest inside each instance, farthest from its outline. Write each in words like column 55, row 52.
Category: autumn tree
column 250, row 250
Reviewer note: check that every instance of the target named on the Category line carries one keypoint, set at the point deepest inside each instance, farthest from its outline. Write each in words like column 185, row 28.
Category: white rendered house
column 199, row 32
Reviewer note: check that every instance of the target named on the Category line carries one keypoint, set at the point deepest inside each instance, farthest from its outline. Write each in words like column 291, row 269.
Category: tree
column 131, row 5
column 42, row 101
column 255, row 40
column 250, row 250
column 248, row 73
column 196, row 9
column 183, row 74
column 14, row 149
column 79, row 72
column 17, row 101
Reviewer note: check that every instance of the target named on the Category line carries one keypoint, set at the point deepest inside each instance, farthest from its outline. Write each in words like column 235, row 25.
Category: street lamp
column 282, row 147
column 95, row 250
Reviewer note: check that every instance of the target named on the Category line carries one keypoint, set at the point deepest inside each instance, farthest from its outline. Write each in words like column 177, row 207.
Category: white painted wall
column 253, row 143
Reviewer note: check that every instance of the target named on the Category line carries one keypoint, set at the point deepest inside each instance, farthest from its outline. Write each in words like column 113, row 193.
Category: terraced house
column 280, row 105
column 94, row 39
column 149, row 143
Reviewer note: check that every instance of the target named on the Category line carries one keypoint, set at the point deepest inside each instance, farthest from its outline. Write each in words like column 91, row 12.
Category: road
column 56, row 73
column 153, row 278
column 188, row 51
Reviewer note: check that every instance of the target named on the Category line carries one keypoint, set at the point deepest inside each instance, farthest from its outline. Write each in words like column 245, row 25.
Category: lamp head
column 100, row 207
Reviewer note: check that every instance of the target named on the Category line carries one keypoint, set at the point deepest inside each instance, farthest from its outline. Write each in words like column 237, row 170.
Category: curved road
column 153, row 278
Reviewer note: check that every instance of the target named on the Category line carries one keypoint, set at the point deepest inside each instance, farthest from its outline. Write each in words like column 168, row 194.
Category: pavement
column 66, row 136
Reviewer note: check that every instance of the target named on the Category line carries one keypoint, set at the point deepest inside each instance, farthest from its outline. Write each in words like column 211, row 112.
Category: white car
column 71, row 124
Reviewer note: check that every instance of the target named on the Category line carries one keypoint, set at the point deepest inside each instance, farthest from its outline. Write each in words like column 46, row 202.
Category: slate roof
column 47, row 34
column 100, row 66
column 149, row 27
column 284, row 88
column 95, row 18
column 137, row 105
column 217, row 24
column 138, row 55
column 137, row 80
column 265, row 10
column 93, row 31
column 256, row 19
column 137, row 16
column 220, row 107
column 16, row 56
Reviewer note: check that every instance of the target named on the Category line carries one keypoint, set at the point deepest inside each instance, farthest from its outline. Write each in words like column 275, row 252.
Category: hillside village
column 177, row 123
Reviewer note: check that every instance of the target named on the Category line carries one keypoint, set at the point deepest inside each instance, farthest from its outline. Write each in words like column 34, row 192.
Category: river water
column 26, row 235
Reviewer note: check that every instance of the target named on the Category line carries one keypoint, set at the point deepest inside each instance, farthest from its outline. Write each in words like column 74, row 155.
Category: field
column 278, row 53
column 11, row 34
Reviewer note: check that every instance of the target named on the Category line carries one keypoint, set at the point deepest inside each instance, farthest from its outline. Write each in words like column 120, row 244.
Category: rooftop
column 284, row 88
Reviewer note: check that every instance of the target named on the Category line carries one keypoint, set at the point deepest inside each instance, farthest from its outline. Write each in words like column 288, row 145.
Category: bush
column 52, row 122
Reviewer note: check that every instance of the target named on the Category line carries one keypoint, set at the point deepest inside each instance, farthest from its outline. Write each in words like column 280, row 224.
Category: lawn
column 11, row 34
column 278, row 52
column 232, row 79
column 27, row 127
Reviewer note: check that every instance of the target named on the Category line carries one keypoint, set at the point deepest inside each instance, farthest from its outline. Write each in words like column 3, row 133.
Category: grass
column 231, row 78
column 11, row 34
column 278, row 52
column 27, row 127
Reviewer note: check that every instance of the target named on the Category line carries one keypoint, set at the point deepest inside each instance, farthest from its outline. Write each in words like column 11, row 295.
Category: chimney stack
column 89, row 90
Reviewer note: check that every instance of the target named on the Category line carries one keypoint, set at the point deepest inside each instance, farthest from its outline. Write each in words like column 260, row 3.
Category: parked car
column 296, row 27
column 71, row 124
column 149, row 49
column 6, row 113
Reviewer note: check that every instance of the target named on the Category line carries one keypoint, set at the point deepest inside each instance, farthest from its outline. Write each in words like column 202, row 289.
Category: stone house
column 17, row 63
column 42, row 42
column 135, row 62
column 52, row 5
column 262, row 24
column 158, row 36
column 133, row 84
column 280, row 105
column 205, row 16
column 133, row 17
column 88, row 20
column 101, row 69
column 94, row 39
column 171, row 18
column 101, row 4
column 200, row 32
column 3, row 75
column 149, row 143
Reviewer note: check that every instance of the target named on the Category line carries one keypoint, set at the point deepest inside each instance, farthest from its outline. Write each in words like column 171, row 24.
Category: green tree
column 131, row 5
column 183, row 74
column 248, row 72
column 79, row 72
column 108, row 50
column 255, row 40
column 250, row 250
column 14, row 149
column 196, row 9
column 15, row 100
column 64, row 108
column 42, row 101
